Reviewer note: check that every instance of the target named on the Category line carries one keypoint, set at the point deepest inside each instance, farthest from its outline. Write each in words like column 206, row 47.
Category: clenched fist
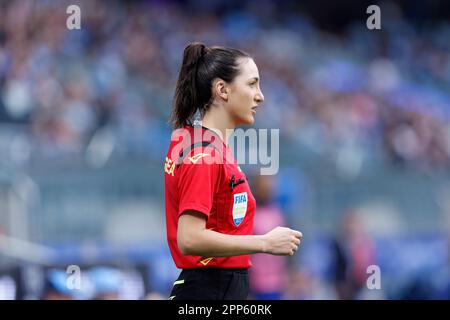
column 281, row 241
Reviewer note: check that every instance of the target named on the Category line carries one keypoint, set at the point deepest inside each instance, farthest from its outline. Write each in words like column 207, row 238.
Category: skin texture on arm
column 194, row 239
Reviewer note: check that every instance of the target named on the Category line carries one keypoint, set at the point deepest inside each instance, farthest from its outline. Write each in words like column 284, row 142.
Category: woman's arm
column 194, row 239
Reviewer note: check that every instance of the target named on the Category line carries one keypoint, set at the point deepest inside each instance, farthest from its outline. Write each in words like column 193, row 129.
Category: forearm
column 209, row 243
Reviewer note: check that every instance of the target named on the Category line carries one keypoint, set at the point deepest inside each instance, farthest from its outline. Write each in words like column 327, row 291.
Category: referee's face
column 244, row 93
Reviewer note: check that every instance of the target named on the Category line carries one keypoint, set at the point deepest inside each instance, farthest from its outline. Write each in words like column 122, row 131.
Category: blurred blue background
column 364, row 143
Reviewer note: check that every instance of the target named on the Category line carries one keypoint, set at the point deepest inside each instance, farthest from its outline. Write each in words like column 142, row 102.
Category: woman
column 209, row 205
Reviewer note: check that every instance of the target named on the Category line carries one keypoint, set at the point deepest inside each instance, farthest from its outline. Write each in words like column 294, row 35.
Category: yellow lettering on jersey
column 169, row 166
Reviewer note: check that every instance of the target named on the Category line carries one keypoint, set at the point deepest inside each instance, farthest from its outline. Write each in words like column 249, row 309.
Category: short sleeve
column 197, row 184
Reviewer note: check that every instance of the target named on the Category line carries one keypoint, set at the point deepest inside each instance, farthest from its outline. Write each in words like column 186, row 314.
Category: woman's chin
column 245, row 121
column 249, row 120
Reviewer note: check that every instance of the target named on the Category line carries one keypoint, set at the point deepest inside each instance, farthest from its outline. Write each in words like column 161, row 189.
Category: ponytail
column 186, row 92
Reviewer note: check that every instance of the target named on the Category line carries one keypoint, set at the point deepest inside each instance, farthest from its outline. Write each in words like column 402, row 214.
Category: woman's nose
column 259, row 98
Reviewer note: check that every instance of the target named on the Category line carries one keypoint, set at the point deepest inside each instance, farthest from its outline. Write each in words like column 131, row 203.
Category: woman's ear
column 220, row 88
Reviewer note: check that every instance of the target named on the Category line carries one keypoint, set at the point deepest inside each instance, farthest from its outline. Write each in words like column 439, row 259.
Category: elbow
column 187, row 245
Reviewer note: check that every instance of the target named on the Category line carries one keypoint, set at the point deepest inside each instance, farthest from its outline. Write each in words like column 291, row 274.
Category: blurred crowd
column 358, row 95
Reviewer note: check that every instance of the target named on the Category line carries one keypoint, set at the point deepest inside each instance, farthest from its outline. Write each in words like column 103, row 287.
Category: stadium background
column 364, row 141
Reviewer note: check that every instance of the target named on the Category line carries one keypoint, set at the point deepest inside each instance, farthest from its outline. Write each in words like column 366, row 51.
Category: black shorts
column 211, row 284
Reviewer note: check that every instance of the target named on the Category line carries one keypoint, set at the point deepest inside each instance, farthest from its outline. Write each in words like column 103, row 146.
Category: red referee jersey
column 201, row 174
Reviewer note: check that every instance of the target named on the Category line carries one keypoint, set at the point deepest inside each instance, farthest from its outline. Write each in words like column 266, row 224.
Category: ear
column 220, row 89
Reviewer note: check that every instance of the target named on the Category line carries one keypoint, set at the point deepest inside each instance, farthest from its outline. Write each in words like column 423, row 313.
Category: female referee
column 209, row 205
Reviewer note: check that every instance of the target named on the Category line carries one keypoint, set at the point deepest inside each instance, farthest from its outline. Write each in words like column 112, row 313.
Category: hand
column 281, row 241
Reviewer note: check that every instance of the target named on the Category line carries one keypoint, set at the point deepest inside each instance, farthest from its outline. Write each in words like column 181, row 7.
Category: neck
column 219, row 121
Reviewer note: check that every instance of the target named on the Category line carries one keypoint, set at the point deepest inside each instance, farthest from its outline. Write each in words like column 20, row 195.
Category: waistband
column 215, row 270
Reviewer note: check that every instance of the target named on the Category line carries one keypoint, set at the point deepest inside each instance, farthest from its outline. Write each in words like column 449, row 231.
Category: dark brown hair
column 201, row 65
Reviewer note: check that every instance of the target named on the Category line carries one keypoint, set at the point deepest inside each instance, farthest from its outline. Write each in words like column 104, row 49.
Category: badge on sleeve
column 239, row 207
